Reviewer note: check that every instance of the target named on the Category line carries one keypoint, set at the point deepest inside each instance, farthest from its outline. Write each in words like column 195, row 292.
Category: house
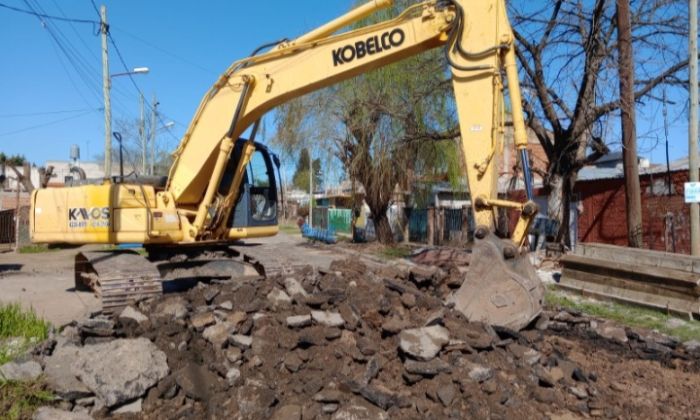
column 602, row 215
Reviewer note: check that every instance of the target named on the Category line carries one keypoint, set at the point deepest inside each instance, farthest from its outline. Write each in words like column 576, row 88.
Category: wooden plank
column 657, row 275
column 625, row 283
column 686, row 306
column 640, row 256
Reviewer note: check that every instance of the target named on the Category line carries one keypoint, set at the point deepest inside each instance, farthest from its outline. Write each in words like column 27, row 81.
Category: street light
column 107, row 82
column 136, row 70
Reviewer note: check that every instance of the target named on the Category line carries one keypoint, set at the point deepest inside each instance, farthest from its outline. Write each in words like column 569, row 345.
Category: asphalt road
column 44, row 281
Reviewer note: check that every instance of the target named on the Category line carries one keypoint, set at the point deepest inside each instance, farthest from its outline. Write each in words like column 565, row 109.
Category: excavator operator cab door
column 257, row 202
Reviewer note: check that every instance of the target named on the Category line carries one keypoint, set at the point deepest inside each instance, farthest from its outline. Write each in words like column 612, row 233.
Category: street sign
column 692, row 192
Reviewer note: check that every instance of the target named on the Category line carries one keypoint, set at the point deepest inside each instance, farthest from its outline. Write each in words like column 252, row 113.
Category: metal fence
column 338, row 220
column 440, row 226
column 319, row 218
column 417, row 224
column 7, row 227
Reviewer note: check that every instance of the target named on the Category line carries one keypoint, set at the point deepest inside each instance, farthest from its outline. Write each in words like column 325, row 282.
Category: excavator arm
column 479, row 44
column 501, row 287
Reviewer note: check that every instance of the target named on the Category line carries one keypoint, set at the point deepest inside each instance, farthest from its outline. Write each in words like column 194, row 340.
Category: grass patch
column 35, row 249
column 19, row 400
column 18, row 322
column 394, row 252
column 630, row 315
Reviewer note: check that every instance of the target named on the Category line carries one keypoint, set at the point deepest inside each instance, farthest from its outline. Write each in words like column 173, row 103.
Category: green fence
column 340, row 220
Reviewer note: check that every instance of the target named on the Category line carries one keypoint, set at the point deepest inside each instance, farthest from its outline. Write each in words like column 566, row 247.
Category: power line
column 45, row 16
column 21, row 130
column 88, row 48
column 166, row 52
column 128, row 71
column 32, row 114
column 81, row 67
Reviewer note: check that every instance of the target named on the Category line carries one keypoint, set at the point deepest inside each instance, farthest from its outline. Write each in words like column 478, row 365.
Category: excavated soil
column 347, row 361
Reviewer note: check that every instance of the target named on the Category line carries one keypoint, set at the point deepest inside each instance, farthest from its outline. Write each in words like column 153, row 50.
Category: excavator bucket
column 501, row 287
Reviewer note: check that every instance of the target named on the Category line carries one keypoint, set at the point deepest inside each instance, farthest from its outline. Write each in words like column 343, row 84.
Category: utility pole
column 693, row 126
column 142, row 136
column 633, row 198
column 152, row 140
column 104, row 30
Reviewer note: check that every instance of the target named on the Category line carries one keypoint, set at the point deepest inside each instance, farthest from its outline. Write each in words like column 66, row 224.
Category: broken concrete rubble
column 355, row 346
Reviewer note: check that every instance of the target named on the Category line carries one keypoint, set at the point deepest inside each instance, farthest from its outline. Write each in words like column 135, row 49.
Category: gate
column 417, row 224
column 7, row 228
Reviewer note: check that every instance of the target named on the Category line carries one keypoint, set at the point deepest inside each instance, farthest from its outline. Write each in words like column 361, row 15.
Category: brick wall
column 8, row 199
column 665, row 218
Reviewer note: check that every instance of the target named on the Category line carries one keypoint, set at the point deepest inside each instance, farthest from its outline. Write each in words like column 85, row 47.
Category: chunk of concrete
column 59, row 376
column 278, row 297
column 612, row 332
column 173, row 307
column 50, row 413
column 293, row 287
column 298, row 321
column 424, row 343
column 360, row 412
column 329, row 319
column 202, row 320
column 241, row 341
column 121, row 370
column 233, row 375
column 129, row 314
column 218, row 334
column 20, row 371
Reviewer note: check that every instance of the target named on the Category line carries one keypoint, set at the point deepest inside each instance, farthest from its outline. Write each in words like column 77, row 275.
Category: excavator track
column 117, row 278
column 123, row 278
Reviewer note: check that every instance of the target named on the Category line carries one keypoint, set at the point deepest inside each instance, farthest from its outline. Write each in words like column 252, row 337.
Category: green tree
column 300, row 179
column 381, row 125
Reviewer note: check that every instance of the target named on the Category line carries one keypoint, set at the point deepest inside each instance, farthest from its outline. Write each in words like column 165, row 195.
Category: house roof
column 594, row 173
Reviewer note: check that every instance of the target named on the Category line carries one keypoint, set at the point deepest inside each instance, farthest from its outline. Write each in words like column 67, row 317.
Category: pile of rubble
column 347, row 343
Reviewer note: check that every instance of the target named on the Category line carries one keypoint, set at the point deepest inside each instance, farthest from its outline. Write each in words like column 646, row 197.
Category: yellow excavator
column 222, row 188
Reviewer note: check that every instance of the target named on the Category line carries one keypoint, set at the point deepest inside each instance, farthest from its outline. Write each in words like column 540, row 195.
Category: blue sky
column 186, row 45
column 196, row 41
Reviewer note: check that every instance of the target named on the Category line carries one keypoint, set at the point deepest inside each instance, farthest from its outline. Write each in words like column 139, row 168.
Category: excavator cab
column 257, row 200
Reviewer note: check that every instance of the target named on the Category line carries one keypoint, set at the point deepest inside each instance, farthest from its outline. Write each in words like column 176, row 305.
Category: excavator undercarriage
column 122, row 278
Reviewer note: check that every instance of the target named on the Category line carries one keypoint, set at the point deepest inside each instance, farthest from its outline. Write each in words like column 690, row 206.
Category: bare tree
column 568, row 54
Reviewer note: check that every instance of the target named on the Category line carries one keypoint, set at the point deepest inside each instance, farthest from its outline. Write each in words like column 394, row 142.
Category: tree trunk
column 383, row 228
column 629, row 136
column 559, row 204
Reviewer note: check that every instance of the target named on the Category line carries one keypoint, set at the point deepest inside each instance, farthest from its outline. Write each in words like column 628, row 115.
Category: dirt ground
column 234, row 352
column 44, row 281
column 559, row 368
